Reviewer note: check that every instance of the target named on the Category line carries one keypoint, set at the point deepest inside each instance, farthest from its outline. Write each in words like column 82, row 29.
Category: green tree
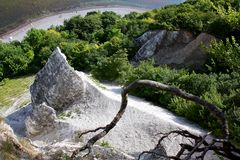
column 224, row 56
column 81, row 55
column 42, row 43
column 112, row 68
column 13, row 60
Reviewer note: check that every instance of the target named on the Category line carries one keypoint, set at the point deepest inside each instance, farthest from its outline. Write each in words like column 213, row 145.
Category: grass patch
column 105, row 144
column 11, row 89
column 65, row 115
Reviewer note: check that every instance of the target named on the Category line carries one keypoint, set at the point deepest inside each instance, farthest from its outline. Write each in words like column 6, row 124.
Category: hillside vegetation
column 103, row 44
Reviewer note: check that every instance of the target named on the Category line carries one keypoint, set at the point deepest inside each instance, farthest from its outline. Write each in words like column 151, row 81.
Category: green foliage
column 81, row 55
column 133, row 25
column 14, row 60
column 219, row 89
column 195, row 18
column 225, row 56
column 109, row 19
column 85, row 28
column 217, row 17
column 92, row 27
column 234, row 121
column 1, row 72
column 65, row 114
column 111, row 68
column 227, row 23
column 34, row 38
column 197, row 84
column 105, row 144
column 146, row 70
column 188, row 109
column 42, row 43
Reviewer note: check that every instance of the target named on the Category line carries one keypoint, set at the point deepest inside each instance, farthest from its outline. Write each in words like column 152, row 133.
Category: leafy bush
column 81, row 55
column 42, row 43
column 111, row 68
column 224, row 56
column 14, row 61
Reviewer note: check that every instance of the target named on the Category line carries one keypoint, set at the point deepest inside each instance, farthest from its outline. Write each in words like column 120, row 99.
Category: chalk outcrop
column 174, row 48
column 42, row 119
column 57, row 84
column 56, row 87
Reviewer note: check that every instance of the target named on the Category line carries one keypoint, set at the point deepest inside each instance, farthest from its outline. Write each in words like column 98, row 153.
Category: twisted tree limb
column 215, row 111
column 201, row 146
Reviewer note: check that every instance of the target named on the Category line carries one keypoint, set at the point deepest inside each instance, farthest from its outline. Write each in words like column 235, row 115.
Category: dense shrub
column 42, row 43
column 81, row 55
column 224, row 56
column 14, row 60
column 111, row 68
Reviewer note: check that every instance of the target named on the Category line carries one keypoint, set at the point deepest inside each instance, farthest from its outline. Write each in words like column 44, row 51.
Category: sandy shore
column 55, row 19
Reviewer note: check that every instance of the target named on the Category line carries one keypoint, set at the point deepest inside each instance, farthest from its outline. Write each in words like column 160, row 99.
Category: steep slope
column 51, row 125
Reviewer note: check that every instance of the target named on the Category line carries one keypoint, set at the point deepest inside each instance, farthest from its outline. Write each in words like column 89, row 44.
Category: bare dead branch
column 160, row 155
column 201, row 146
column 205, row 151
column 90, row 131
column 197, row 145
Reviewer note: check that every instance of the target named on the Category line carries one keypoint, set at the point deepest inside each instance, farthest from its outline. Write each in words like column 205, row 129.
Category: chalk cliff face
column 41, row 119
column 56, row 87
column 175, row 48
column 57, row 84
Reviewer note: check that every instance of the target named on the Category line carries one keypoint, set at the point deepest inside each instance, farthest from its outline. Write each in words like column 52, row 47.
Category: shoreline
column 27, row 22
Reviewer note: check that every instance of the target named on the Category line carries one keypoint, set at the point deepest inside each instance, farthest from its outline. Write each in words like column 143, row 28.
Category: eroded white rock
column 56, row 87
column 57, row 84
column 42, row 119
column 174, row 48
